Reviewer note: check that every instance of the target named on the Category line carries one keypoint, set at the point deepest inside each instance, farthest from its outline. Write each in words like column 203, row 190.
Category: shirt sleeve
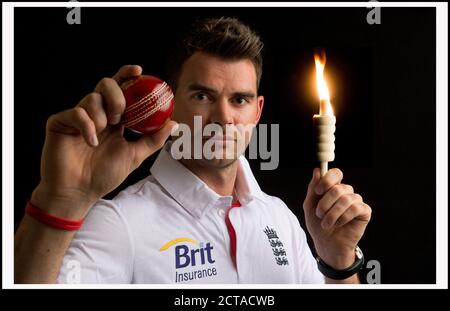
column 102, row 251
column 308, row 272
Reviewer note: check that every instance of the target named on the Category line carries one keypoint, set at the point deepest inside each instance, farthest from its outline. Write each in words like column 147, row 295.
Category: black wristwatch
column 334, row 274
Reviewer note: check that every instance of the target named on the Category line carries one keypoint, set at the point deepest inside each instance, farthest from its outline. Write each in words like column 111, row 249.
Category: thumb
column 311, row 196
column 149, row 144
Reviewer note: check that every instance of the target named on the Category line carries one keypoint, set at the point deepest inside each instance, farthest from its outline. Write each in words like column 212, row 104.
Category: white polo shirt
column 172, row 228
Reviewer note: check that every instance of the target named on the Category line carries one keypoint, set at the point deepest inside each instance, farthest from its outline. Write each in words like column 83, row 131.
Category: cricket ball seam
column 139, row 112
column 154, row 94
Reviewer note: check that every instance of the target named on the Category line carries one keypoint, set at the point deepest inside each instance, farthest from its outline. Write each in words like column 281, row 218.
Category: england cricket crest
column 277, row 246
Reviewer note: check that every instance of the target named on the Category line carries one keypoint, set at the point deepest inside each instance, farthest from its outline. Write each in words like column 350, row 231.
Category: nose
column 222, row 112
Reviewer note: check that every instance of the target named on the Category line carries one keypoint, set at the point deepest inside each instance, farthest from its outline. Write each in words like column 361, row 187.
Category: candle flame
column 324, row 95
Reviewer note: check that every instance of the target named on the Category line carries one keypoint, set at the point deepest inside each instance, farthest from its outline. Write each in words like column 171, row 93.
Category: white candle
column 325, row 121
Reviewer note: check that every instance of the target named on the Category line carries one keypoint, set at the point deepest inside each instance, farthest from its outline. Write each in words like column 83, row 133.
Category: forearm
column 340, row 263
column 354, row 279
column 39, row 251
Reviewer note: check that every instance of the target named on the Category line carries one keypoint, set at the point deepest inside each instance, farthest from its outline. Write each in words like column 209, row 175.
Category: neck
column 220, row 179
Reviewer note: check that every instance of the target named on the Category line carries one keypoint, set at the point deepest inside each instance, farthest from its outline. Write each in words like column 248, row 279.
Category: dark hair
column 225, row 37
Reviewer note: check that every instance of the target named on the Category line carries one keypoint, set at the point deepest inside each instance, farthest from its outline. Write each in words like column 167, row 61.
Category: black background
column 382, row 81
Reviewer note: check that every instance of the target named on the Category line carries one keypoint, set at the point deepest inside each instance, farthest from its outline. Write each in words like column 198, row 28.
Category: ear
column 260, row 105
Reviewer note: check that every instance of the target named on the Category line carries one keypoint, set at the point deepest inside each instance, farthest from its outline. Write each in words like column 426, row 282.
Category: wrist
column 341, row 261
column 68, row 206
column 340, row 269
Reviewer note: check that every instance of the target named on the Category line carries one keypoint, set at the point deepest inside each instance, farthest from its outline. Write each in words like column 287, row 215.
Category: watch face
column 358, row 252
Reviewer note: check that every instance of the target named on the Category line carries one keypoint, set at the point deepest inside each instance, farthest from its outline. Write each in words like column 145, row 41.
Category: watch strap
column 335, row 274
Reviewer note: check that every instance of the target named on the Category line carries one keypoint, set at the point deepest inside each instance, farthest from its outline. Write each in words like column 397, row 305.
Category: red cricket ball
column 149, row 103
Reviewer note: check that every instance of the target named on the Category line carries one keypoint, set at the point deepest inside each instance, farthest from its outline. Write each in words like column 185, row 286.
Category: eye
column 200, row 96
column 241, row 101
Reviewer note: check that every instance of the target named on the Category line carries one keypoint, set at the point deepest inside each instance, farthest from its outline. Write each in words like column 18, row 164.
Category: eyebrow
column 200, row 87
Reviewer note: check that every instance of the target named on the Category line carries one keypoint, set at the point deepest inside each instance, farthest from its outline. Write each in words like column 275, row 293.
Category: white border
column 225, row 4
column 442, row 145
column 441, row 138
column 7, row 144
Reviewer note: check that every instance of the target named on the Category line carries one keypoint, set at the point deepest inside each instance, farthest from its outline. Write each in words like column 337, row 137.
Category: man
column 192, row 220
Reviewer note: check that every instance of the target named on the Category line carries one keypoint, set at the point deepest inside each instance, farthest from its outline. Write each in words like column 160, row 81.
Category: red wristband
column 51, row 220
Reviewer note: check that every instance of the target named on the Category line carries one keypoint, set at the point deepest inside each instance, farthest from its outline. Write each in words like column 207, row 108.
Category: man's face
column 222, row 92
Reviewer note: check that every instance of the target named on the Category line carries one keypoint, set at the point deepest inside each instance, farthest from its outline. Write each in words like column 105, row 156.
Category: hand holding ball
column 149, row 103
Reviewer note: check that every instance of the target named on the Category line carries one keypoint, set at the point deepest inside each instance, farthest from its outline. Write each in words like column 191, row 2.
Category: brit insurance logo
column 277, row 246
column 193, row 260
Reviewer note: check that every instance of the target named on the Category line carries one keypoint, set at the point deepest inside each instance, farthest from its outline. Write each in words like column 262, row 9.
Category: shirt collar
column 192, row 193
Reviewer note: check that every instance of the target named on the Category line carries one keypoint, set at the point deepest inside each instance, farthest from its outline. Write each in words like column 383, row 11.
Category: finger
column 149, row 144
column 359, row 211
column 331, row 178
column 113, row 99
column 330, row 197
column 93, row 105
column 311, row 196
column 74, row 121
column 126, row 72
column 341, row 207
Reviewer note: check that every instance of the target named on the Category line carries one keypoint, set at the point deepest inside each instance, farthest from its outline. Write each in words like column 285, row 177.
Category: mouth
column 216, row 138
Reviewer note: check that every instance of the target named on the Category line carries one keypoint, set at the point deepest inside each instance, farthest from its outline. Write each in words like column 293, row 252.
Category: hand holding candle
column 325, row 121
column 335, row 215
